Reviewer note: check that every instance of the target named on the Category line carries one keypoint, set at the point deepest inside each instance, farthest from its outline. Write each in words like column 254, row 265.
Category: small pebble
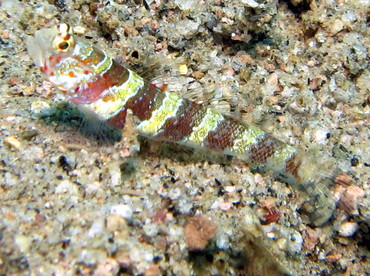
column 5, row 34
column 350, row 197
column 282, row 244
column 13, row 142
column 347, row 229
column 108, row 266
column 251, row 3
column 344, row 241
column 311, row 239
column 198, row 232
column 66, row 186
column 295, row 243
column 183, row 69
column 115, row 223
column 13, row 80
column 333, row 257
column 225, row 206
column 198, row 74
column 230, row 189
column 122, row 211
column 153, row 270
column 79, row 30
column 223, row 241
column 336, row 27
column 39, row 106
column 343, row 179
column 23, row 242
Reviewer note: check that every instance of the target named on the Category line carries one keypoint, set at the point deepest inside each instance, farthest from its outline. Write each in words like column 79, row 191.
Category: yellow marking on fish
column 130, row 87
column 208, row 123
column 169, row 107
column 278, row 159
column 104, row 65
column 245, row 136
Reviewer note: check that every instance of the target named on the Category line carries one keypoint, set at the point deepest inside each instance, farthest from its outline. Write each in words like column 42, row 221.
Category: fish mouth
column 40, row 45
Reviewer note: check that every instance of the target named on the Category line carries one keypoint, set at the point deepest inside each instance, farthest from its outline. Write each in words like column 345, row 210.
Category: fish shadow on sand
column 94, row 129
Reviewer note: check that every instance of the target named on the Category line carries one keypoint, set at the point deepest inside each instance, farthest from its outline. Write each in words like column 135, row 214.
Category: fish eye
column 63, row 46
column 63, row 43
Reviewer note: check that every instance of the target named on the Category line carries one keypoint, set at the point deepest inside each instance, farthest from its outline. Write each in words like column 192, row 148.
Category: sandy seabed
column 299, row 69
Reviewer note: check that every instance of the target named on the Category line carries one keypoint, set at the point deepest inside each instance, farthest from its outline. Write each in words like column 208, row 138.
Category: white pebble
column 96, row 228
column 251, row 3
column 348, row 228
column 321, row 136
column 122, row 211
column 295, row 242
column 23, row 242
column 115, row 173
column 39, row 106
column 186, row 4
column 349, row 17
column 336, row 26
column 66, row 186
column 174, row 194
column 223, row 242
column 230, row 189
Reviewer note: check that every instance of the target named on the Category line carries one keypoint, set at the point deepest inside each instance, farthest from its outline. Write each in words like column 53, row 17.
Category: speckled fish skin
column 99, row 85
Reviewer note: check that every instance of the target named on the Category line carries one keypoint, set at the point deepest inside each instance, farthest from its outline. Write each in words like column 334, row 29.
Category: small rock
column 115, row 223
column 333, row 257
column 225, row 205
column 321, row 136
column 108, row 266
column 282, row 244
column 183, row 69
column 153, row 270
column 364, row 207
column 160, row 216
column 116, row 174
column 336, row 27
column 186, row 4
column 39, row 106
column 96, row 228
column 344, row 179
column 187, row 28
column 66, row 186
column 151, row 230
column 223, row 241
column 5, row 34
column 198, row 74
column 349, row 199
column 122, row 211
column 344, row 241
column 295, row 243
column 251, row 3
column 198, row 232
column 347, row 229
column 23, row 242
column 311, row 238
column 13, row 142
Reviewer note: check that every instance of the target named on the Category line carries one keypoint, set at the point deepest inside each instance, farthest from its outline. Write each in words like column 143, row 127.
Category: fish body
column 101, row 86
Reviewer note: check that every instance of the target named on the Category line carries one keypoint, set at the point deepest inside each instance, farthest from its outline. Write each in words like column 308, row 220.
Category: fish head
column 63, row 58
